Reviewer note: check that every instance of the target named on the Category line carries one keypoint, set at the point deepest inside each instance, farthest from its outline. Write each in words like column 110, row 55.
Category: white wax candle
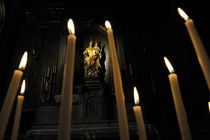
column 140, row 122
column 10, row 96
column 18, row 113
column 119, row 94
column 64, row 132
column 139, row 117
column 200, row 51
column 179, row 106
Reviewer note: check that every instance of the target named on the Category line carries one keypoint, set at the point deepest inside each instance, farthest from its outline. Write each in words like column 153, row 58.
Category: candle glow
column 23, row 86
column 71, row 26
column 136, row 96
column 168, row 64
column 108, row 25
column 183, row 14
column 23, row 61
column 209, row 105
column 139, row 116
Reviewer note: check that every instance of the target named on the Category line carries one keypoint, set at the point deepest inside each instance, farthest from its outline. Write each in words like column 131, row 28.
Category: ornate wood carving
column 93, row 103
column 45, row 20
column 43, row 12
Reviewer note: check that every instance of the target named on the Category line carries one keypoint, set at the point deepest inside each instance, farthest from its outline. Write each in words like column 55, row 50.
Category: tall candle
column 179, row 106
column 11, row 94
column 64, row 132
column 18, row 113
column 139, row 117
column 119, row 94
column 209, row 106
column 200, row 51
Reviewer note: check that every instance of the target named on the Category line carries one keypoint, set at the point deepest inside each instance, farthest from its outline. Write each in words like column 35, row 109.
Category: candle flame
column 23, row 61
column 168, row 64
column 136, row 96
column 71, row 26
column 23, row 87
column 183, row 14
column 209, row 105
column 108, row 24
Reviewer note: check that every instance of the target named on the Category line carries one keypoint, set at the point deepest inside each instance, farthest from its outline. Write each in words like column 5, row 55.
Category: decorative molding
column 43, row 13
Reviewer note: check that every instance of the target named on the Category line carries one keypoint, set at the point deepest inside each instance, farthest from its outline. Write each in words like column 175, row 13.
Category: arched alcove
column 96, row 33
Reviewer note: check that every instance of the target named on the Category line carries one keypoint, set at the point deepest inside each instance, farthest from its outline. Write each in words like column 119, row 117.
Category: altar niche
column 92, row 60
column 93, row 75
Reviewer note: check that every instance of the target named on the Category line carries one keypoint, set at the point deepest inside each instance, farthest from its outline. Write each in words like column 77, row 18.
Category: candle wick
column 173, row 72
column 139, row 104
column 21, row 69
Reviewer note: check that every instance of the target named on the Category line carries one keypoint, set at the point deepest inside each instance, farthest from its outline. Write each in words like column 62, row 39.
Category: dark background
column 149, row 30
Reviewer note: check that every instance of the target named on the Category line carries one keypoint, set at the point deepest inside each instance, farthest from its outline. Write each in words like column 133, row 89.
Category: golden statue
column 92, row 56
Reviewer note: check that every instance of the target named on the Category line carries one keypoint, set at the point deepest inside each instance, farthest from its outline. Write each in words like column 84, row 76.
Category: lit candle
column 200, row 51
column 119, row 94
column 209, row 105
column 64, row 131
column 139, row 116
column 179, row 106
column 18, row 112
column 11, row 94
